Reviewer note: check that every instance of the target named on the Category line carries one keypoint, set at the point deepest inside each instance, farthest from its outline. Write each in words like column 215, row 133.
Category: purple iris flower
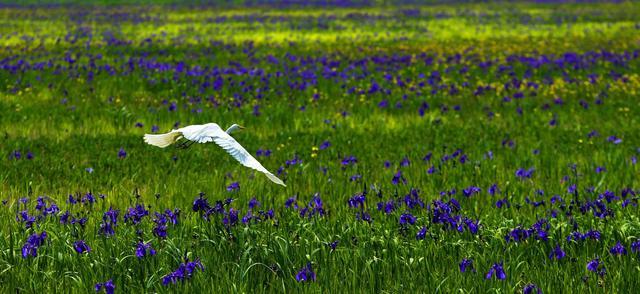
column 234, row 186
column 81, row 247
column 108, row 287
column 618, row 249
column 421, row 234
column 466, row 265
column 497, row 270
column 397, row 178
column 324, row 145
column 121, row 153
column 183, row 272
column 306, row 274
column 531, row 289
column 407, row 218
column 596, row 266
column 34, row 241
column 557, row 253
column 635, row 246
column 144, row 249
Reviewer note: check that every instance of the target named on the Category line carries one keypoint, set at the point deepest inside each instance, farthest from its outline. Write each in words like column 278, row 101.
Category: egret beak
column 241, row 127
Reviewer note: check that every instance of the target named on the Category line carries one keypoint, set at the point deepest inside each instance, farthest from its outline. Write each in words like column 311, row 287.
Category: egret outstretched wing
column 238, row 152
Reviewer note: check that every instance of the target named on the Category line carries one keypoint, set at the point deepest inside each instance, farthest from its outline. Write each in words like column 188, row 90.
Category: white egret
column 211, row 132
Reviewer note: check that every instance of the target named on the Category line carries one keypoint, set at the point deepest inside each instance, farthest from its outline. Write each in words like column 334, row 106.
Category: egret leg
column 185, row 144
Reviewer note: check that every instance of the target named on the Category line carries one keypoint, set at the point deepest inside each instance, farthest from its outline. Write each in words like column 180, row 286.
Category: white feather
column 161, row 140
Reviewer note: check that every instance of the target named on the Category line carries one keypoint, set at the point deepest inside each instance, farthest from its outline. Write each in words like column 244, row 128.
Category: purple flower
column 431, row 170
column 88, row 198
column 397, row 178
column 64, row 217
column 231, row 218
column 618, row 249
column 201, row 204
column 557, row 253
column 614, row 140
column 407, row 218
column 144, row 249
column 291, row 202
column 160, row 228
column 357, row 200
column 522, row 173
column 324, row 145
column 472, row 226
column 16, row 154
column 172, row 106
column 306, row 274
column 593, row 235
column 172, row 215
column 503, row 202
column 135, row 214
column 596, row 266
column 23, row 216
column 34, row 241
column 493, row 190
column 531, row 289
column 363, row 216
column 556, row 198
column 315, row 206
column 466, row 265
column 348, row 160
column 108, row 287
column 333, row 244
column 121, row 153
column 469, row 191
column 253, row 203
column 635, row 246
column 234, row 186
column 109, row 221
column 184, row 271
column 497, row 270
column 421, row 234
column 81, row 247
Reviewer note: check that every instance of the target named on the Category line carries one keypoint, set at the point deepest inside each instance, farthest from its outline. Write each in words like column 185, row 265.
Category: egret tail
column 162, row 140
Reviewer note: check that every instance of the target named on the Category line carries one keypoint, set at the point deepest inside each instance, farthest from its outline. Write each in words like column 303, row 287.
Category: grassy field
column 414, row 141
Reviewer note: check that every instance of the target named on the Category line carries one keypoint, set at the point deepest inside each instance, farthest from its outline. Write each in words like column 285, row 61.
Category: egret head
column 233, row 128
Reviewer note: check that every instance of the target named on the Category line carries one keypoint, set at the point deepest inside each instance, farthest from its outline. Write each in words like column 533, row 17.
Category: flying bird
column 211, row 132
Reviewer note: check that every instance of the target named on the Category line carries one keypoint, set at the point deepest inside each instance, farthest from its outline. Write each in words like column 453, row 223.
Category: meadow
column 471, row 148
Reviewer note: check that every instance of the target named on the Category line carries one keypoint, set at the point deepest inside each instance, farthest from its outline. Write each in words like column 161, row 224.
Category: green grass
column 71, row 123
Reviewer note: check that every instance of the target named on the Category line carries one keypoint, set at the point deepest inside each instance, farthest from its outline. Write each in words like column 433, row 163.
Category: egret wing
column 238, row 152
column 211, row 132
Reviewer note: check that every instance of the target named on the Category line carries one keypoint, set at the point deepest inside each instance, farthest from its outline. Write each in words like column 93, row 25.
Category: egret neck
column 233, row 128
